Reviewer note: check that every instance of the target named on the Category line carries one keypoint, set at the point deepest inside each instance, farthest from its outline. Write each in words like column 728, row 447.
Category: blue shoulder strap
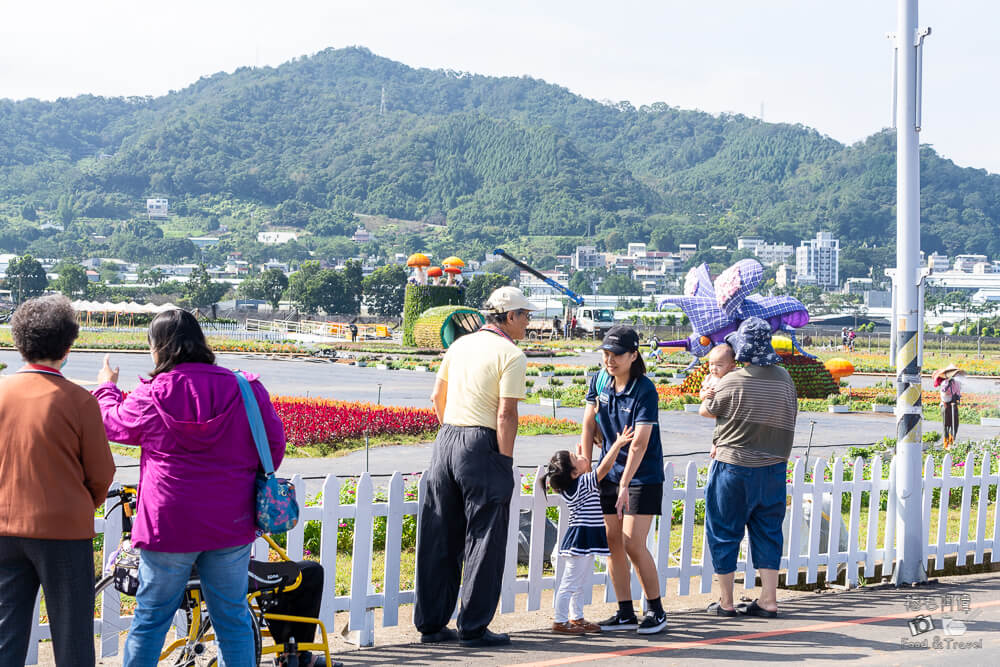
column 256, row 423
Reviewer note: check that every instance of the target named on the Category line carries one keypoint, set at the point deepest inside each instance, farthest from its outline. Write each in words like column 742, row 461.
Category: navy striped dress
column 585, row 534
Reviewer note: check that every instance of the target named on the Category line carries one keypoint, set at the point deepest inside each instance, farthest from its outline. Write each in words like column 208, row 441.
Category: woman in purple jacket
column 196, row 478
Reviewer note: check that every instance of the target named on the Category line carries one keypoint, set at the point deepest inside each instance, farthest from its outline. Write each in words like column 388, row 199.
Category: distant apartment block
column 636, row 250
column 276, row 238
column 966, row 263
column 687, row 250
column 817, row 261
column 586, row 257
column 785, row 276
column 534, row 286
column 937, row 262
column 157, row 208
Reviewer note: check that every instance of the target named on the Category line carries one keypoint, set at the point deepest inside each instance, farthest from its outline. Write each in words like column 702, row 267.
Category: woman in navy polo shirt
column 632, row 493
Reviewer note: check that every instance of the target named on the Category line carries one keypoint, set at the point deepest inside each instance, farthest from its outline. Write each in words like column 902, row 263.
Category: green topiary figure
column 422, row 297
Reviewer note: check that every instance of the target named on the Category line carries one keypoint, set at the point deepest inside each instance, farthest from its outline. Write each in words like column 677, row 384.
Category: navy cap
column 620, row 340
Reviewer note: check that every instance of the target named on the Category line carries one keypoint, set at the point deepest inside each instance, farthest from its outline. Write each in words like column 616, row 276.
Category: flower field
column 136, row 340
column 336, row 424
column 811, row 378
column 311, row 421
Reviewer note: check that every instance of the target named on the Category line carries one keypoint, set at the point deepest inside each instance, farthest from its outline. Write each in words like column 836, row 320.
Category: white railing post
column 833, row 541
column 295, row 538
column 984, row 501
column 795, row 524
column 857, row 487
column 687, row 528
column 507, row 592
column 111, row 617
column 536, row 545
column 963, row 534
column 328, row 546
column 874, row 512
column 944, row 498
column 818, row 487
column 393, row 550
column 361, row 561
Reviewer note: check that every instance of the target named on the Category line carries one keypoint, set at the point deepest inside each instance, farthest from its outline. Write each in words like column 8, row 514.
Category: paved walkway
column 868, row 626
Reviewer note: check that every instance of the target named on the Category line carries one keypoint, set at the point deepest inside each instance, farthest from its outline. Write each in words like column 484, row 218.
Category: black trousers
column 65, row 570
column 302, row 601
column 949, row 415
column 464, row 515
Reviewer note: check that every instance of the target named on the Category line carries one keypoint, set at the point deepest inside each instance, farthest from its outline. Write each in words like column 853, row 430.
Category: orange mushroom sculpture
column 839, row 368
column 418, row 261
column 434, row 274
column 453, row 267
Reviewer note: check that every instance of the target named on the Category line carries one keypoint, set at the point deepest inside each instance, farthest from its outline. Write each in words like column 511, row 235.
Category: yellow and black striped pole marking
column 909, row 407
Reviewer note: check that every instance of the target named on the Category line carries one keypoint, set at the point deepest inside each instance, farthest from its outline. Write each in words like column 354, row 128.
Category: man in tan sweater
column 55, row 470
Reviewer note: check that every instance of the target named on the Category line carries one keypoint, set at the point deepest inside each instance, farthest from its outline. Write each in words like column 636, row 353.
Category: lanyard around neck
column 498, row 332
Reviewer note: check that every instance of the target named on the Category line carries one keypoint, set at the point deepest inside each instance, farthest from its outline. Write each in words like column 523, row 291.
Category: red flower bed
column 310, row 421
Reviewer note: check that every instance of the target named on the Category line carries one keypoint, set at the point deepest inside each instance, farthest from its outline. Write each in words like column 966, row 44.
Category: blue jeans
column 162, row 579
column 740, row 499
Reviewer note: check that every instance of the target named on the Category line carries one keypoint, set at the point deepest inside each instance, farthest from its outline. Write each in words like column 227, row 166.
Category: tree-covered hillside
column 494, row 160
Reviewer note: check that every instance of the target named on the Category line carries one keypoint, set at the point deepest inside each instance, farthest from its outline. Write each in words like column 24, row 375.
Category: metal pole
column 909, row 555
column 812, row 427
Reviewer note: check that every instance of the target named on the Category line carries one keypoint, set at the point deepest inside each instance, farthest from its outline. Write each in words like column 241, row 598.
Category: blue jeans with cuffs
column 738, row 499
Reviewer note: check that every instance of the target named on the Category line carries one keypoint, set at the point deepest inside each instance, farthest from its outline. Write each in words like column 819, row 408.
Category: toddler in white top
column 721, row 361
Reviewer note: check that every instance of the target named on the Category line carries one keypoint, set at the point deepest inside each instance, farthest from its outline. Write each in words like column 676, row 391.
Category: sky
column 822, row 64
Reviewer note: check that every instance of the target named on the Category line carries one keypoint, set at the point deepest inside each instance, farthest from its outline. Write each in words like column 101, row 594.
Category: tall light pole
column 909, row 411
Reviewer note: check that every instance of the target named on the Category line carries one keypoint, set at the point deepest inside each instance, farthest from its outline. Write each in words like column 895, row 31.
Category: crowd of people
column 198, row 466
column 465, row 508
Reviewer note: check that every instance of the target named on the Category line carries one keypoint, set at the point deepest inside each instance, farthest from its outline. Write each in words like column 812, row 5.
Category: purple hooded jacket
column 198, row 460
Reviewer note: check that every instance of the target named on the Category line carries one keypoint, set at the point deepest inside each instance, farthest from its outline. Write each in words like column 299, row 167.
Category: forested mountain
column 493, row 159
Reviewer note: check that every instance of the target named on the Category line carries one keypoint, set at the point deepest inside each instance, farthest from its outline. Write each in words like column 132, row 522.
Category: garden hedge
column 423, row 297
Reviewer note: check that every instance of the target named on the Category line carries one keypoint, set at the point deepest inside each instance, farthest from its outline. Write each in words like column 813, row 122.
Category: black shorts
column 642, row 498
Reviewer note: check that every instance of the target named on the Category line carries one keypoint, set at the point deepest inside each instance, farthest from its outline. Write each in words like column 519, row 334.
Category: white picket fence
column 863, row 550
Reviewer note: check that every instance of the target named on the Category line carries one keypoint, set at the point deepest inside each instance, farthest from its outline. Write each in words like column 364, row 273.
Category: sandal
column 754, row 609
column 717, row 609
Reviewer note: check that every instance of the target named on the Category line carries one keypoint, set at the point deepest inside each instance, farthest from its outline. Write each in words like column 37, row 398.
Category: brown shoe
column 586, row 625
column 567, row 629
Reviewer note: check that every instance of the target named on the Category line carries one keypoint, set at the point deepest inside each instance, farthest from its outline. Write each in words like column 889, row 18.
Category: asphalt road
column 685, row 436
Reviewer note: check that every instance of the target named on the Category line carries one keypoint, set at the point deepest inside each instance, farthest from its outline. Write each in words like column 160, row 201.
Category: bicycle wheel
column 103, row 583
column 200, row 648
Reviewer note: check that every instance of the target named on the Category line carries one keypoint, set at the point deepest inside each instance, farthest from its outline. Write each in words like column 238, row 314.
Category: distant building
column 276, row 238
column 535, row 287
column 768, row 253
column 857, row 285
column 785, row 276
column 586, row 257
column 937, row 262
column 361, row 235
column 817, row 261
column 203, row 241
column 966, row 263
column 980, row 268
column 687, row 250
column 636, row 250
column 156, row 208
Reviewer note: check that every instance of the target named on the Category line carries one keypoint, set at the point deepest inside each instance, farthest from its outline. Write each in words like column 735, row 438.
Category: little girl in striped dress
column 571, row 475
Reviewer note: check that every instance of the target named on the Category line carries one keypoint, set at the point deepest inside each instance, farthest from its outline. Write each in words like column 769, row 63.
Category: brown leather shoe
column 586, row 625
column 567, row 629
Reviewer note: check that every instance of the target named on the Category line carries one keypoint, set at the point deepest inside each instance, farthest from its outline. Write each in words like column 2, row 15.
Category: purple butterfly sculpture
column 717, row 308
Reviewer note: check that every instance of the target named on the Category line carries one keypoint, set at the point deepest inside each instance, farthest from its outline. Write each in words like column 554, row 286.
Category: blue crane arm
column 574, row 297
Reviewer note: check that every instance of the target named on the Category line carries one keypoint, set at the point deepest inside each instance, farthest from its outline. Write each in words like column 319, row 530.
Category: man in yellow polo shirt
column 465, row 506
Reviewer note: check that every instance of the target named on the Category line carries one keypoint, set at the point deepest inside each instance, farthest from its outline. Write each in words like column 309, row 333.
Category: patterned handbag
column 277, row 509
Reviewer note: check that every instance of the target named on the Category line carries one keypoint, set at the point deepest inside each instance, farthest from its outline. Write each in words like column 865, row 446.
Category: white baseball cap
column 508, row 298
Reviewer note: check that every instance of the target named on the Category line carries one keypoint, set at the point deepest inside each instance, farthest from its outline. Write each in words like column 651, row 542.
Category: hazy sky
column 819, row 63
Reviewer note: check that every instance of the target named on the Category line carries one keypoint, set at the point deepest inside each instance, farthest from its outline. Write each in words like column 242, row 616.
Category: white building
column 687, row 250
column 967, row 263
column 586, row 257
column 536, row 287
column 276, row 238
column 768, row 253
column 156, row 208
column 817, row 261
column 636, row 250
column 937, row 262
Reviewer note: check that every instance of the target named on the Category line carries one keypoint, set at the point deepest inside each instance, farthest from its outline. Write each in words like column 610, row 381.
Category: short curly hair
column 44, row 328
